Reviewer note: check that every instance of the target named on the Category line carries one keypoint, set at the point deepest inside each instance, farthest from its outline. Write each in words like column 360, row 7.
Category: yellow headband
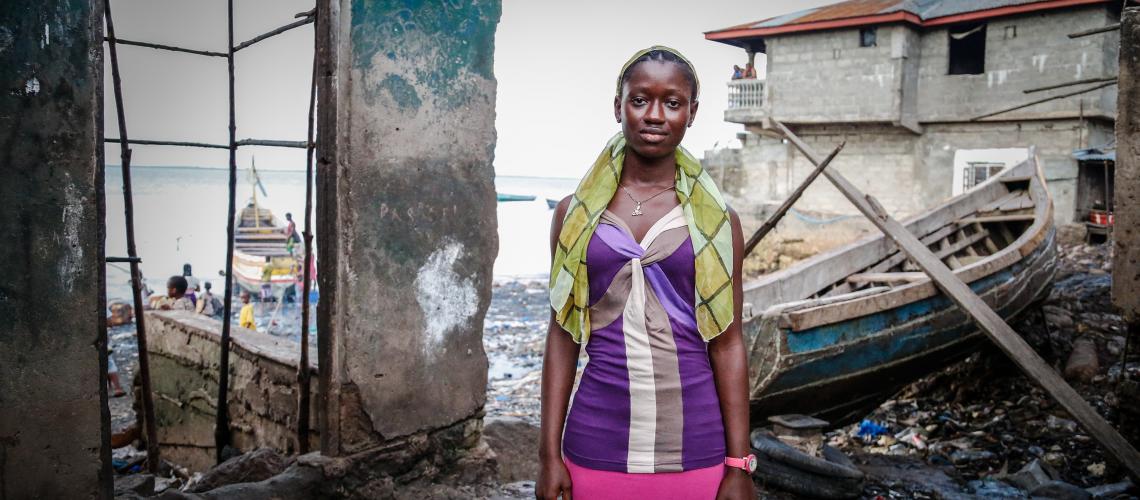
column 661, row 48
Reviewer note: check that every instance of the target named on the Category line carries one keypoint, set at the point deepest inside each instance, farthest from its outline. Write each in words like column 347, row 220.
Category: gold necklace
column 637, row 207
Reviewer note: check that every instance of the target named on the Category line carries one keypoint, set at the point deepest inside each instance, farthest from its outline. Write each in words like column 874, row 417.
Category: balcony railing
column 746, row 94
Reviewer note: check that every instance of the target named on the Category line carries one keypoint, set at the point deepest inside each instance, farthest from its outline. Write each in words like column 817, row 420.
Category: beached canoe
column 261, row 253
column 836, row 335
column 514, row 197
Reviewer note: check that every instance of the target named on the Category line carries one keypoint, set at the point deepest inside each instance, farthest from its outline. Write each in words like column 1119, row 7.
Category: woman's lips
column 652, row 136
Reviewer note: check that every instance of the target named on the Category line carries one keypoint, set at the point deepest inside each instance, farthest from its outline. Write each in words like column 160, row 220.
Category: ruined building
column 908, row 84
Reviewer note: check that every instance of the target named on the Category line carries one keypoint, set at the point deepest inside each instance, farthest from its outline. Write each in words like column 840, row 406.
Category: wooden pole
column 278, row 31
column 770, row 224
column 158, row 46
column 304, row 396
column 222, row 421
column 1093, row 31
column 1070, row 84
column 1047, row 99
column 149, row 427
column 993, row 325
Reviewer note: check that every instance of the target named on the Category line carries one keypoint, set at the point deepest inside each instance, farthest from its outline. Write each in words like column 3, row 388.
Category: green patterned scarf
column 709, row 227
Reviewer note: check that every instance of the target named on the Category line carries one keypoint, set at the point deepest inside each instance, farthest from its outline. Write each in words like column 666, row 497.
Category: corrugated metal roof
column 1106, row 152
column 855, row 12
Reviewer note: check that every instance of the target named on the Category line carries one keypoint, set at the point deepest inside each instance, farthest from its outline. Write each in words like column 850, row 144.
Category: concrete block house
column 907, row 83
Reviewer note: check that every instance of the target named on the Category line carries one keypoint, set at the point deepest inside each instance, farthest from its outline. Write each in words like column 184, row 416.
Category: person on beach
column 113, row 377
column 661, row 410
column 176, row 298
column 208, row 304
column 192, row 285
column 245, row 318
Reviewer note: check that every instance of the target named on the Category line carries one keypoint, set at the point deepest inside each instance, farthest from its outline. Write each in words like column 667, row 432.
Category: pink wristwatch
column 746, row 463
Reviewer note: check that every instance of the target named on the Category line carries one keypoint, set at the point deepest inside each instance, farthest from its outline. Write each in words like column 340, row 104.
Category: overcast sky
column 555, row 61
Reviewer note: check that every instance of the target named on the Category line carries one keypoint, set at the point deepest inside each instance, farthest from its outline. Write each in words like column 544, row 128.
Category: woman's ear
column 617, row 108
column 693, row 112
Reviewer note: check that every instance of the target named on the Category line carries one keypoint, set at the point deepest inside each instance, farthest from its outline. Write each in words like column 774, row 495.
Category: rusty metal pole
column 152, row 455
column 222, row 422
column 303, row 376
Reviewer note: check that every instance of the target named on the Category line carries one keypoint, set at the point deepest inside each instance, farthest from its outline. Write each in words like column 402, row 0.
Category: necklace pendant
column 637, row 210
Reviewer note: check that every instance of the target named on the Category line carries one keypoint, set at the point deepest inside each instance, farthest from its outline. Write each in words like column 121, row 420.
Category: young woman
column 661, row 410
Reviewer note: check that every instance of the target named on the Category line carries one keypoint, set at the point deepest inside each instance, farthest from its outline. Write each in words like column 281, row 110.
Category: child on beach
column 176, row 298
column 245, row 319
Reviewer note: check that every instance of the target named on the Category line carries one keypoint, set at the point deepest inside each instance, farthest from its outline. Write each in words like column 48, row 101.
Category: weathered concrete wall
column 826, row 77
column 1126, row 234
column 1040, row 54
column 906, row 172
column 54, row 428
column 408, row 218
column 185, row 348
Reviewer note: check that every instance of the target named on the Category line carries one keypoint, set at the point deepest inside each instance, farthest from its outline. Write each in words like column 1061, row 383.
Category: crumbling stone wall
column 54, row 426
column 184, row 352
column 407, row 216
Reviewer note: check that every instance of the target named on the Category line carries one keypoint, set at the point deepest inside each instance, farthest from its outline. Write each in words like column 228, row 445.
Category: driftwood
column 989, row 322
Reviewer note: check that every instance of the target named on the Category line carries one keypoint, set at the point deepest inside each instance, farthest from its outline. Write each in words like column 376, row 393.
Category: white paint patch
column 1039, row 62
column 69, row 265
column 446, row 299
column 32, row 86
column 47, row 36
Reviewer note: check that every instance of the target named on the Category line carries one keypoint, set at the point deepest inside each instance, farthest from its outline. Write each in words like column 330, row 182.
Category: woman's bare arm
column 559, row 365
column 730, row 373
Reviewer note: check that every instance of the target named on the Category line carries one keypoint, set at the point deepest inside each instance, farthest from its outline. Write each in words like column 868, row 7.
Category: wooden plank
column 863, row 278
column 770, row 224
column 998, row 218
column 993, row 325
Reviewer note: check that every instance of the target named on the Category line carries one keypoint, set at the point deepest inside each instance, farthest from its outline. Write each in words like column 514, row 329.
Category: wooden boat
column 836, row 335
column 551, row 203
column 514, row 197
column 262, row 252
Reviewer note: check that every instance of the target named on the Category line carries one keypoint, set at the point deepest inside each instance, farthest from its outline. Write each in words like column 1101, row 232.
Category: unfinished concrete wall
column 407, row 212
column 1021, row 52
column 1126, row 233
column 54, row 428
column 826, row 77
column 184, row 351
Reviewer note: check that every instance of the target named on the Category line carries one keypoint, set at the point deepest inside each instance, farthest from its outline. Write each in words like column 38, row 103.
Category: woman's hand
column 736, row 485
column 553, row 480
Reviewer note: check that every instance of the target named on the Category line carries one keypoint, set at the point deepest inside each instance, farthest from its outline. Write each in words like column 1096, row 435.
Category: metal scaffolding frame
column 221, row 429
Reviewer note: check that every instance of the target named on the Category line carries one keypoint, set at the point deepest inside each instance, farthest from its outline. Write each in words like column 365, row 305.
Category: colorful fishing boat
column 836, row 335
column 514, row 197
column 263, row 254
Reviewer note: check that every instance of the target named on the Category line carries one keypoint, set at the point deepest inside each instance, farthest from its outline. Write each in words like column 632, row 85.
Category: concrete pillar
column 54, row 426
column 1126, row 233
column 406, row 208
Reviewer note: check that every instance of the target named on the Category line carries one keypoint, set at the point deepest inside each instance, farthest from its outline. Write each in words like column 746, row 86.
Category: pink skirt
column 696, row 484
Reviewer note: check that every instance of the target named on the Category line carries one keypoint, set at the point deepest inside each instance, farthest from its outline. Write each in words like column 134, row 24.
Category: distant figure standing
column 737, row 72
column 291, row 236
column 192, row 287
column 176, row 298
column 750, row 71
column 208, row 304
column 245, row 319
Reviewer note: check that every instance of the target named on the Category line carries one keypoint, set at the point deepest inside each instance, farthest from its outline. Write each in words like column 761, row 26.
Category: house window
column 867, row 37
column 1010, row 32
column 977, row 173
column 968, row 49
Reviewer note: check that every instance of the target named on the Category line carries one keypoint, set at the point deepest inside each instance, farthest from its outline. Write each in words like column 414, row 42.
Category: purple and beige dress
column 646, row 402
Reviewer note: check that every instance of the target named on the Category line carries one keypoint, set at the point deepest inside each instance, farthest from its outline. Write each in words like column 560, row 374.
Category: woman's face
column 655, row 108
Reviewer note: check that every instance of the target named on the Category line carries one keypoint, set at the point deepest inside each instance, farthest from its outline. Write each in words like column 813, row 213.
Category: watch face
column 751, row 463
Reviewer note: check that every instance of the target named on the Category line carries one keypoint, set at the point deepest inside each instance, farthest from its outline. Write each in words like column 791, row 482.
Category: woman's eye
column 674, row 104
column 638, row 100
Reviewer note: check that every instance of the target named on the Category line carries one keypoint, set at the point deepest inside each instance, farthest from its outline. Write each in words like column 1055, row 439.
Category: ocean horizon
column 181, row 217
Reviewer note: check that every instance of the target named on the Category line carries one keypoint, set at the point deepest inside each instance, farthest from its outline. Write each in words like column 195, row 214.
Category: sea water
column 181, row 217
